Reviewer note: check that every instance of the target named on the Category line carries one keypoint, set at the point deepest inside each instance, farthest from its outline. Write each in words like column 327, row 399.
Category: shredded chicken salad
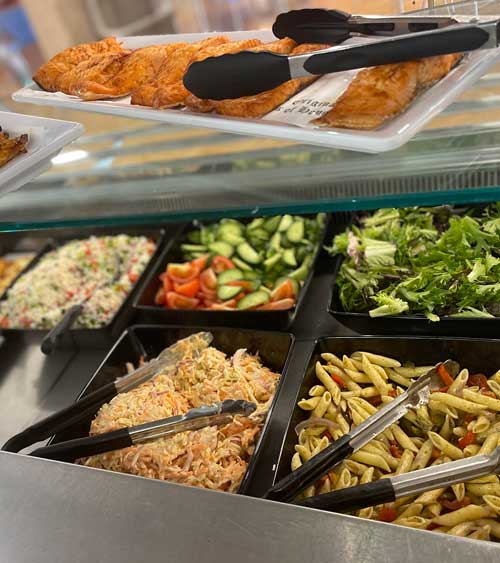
column 212, row 457
column 98, row 272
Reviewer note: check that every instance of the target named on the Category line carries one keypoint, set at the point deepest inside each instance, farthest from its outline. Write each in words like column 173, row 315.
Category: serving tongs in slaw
column 88, row 405
column 413, row 483
column 206, row 415
column 415, row 396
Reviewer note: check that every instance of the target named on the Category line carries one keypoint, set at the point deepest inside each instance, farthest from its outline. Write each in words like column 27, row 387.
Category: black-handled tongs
column 90, row 404
column 316, row 25
column 250, row 72
column 415, row 396
column 415, row 482
column 207, row 415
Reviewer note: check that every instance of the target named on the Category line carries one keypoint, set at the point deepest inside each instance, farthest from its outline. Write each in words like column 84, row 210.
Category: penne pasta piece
column 358, row 376
column 459, row 490
column 459, row 382
column 309, row 492
column 348, row 363
column 322, row 406
column 357, row 418
column 375, row 377
column 447, row 428
column 456, row 402
column 355, row 467
column 296, row 461
column 367, row 476
column 436, row 406
column 414, row 522
column 403, row 439
column 376, row 359
column 496, row 377
column 493, row 524
column 343, row 480
column 366, row 512
column 471, row 512
column 381, row 371
column 399, row 379
column 483, row 480
column 405, row 462
column 448, row 449
column 483, row 489
column 325, row 486
column 314, row 431
column 471, row 449
column 308, row 404
column 304, row 452
column 358, row 364
column 369, row 458
column 392, row 462
column 489, row 444
column 354, row 481
column 493, row 501
column 412, row 373
column 328, row 383
column 482, row 533
column 432, row 510
column 343, row 405
column 423, row 456
column 342, row 422
column 413, row 509
column 462, row 529
column 402, row 501
column 350, row 394
column 459, row 431
column 332, row 359
column 369, row 392
column 430, row 497
column 494, row 386
column 365, row 405
column 479, row 398
column 316, row 390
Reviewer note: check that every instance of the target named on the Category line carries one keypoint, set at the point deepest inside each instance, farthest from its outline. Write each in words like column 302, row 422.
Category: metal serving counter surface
column 52, row 512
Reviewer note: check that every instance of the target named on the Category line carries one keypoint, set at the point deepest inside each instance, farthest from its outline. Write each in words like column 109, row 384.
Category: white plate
column 390, row 136
column 46, row 137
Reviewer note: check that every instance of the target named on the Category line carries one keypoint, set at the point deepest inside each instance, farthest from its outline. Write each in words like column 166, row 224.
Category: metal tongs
column 248, row 73
column 415, row 396
column 415, row 482
column 207, row 415
column 89, row 405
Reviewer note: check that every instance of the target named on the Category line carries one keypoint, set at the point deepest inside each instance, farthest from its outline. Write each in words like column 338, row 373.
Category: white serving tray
column 46, row 137
column 390, row 136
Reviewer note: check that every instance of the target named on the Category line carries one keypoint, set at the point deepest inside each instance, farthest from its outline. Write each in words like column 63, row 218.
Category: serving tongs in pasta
column 316, row 25
column 89, row 405
column 415, row 482
column 415, row 396
column 194, row 419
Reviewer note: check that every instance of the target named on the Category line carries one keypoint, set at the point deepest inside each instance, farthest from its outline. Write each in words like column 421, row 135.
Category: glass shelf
column 127, row 171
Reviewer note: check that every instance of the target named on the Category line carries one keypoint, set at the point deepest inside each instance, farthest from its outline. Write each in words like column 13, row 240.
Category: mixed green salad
column 436, row 262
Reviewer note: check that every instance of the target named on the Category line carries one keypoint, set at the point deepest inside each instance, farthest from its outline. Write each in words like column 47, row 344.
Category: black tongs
column 334, row 26
column 194, row 419
column 415, row 396
column 415, row 482
column 248, row 73
column 90, row 404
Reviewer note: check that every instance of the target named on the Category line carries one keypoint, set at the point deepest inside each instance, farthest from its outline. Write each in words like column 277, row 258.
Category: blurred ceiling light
column 69, row 156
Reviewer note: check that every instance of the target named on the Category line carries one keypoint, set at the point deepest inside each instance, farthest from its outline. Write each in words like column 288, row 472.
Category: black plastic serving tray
column 146, row 341
column 148, row 312
column 408, row 324
column 475, row 354
column 105, row 335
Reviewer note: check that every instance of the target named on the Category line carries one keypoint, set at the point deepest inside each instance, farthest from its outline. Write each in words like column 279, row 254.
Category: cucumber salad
column 230, row 265
column 97, row 272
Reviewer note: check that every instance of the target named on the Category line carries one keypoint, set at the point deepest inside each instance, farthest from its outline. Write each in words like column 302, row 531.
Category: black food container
column 145, row 341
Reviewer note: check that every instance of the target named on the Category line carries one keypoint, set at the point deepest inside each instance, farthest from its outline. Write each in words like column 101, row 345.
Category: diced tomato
column 208, row 281
column 338, row 380
column 133, row 277
column 432, row 526
column 177, row 301
column 469, row 418
column 395, row 451
column 387, row 514
column 375, row 401
column 488, row 393
column 182, row 273
column 160, row 296
column 467, row 440
column 328, row 435
column 445, row 376
column 393, row 393
column 188, row 289
column 221, row 263
column 4, row 323
column 455, row 504
column 201, row 262
column 478, row 380
column 281, row 305
column 285, row 290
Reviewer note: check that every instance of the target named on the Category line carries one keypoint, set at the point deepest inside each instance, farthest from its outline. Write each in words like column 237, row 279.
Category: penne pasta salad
column 462, row 419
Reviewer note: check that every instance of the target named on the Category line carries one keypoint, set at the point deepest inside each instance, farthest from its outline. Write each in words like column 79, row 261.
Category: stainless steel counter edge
column 52, row 512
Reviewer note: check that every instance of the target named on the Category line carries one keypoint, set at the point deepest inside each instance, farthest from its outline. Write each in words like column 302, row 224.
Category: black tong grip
column 51, row 341
column 353, row 498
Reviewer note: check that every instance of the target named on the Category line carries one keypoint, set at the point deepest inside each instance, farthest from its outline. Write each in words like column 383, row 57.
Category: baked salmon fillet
column 49, row 74
column 10, row 148
column 261, row 104
column 380, row 93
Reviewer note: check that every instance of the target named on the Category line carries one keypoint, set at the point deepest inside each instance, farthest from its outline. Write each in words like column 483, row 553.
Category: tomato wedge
column 478, row 380
column 188, row 289
column 387, row 514
column 182, row 273
column 208, row 281
column 456, row 504
column 224, row 306
column 201, row 262
column 221, row 264
column 280, row 305
column 177, row 301
column 160, row 296
column 285, row 290
column 445, row 376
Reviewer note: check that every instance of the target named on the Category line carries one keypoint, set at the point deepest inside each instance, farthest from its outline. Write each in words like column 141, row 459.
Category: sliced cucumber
column 222, row 248
column 258, row 222
column 254, row 300
column 300, row 274
column 272, row 223
column 296, row 232
column 194, row 237
column 206, row 236
column 250, row 275
column 248, row 253
column 194, row 255
column 289, row 257
column 229, row 275
column 241, row 264
column 193, row 248
column 270, row 262
column 285, row 223
column 275, row 242
column 260, row 234
column 231, row 237
column 226, row 292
